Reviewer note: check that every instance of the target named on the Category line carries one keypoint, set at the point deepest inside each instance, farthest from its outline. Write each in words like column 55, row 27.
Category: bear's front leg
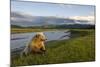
column 43, row 49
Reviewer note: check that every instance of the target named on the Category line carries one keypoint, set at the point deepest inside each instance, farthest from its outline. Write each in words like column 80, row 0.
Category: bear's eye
column 37, row 36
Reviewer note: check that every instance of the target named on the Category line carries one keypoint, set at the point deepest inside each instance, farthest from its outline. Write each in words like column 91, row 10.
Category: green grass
column 26, row 30
column 80, row 48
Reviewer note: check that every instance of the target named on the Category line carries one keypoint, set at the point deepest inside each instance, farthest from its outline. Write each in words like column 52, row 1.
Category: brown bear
column 36, row 45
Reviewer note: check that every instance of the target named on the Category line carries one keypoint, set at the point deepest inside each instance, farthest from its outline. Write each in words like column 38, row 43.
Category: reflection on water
column 22, row 39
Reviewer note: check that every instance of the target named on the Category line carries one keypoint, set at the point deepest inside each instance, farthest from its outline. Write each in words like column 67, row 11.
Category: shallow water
column 22, row 39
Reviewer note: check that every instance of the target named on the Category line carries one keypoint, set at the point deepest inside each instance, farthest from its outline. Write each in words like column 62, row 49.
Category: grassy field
column 17, row 30
column 79, row 48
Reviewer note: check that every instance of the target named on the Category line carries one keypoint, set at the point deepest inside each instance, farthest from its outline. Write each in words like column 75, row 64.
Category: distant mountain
column 70, row 26
column 28, row 20
column 76, row 26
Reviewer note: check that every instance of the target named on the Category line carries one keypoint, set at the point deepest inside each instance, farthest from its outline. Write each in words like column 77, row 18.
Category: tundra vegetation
column 79, row 48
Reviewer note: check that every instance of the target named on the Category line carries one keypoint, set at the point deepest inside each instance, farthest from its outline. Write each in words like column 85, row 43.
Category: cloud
column 18, row 16
column 88, row 19
column 23, row 19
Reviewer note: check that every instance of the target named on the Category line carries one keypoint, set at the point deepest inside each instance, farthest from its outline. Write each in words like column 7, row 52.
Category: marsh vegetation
column 79, row 48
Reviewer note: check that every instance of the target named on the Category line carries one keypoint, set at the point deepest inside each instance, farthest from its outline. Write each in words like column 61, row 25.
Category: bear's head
column 40, row 36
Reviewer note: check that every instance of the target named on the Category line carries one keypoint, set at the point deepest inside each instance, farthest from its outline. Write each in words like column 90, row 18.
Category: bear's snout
column 43, row 39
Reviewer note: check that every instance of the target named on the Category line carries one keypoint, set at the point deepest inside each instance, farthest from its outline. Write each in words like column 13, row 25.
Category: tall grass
column 80, row 48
